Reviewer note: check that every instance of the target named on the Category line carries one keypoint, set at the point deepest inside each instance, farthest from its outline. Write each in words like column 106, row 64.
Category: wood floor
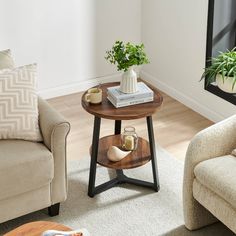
column 174, row 125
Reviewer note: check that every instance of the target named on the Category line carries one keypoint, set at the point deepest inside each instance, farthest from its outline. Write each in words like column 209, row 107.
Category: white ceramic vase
column 129, row 82
column 226, row 84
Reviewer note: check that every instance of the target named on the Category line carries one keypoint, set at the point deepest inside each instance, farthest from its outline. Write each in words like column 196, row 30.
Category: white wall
column 174, row 33
column 67, row 38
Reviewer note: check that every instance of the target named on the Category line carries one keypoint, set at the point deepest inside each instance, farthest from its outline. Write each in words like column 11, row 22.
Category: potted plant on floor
column 222, row 71
column 126, row 56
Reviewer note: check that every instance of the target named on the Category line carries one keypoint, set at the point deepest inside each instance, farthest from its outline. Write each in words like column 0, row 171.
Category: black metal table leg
column 118, row 131
column 117, row 127
column 93, row 163
column 121, row 178
column 153, row 153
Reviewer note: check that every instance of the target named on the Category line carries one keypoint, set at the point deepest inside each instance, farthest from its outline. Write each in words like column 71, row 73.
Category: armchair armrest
column 217, row 140
column 54, row 130
column 49, row 121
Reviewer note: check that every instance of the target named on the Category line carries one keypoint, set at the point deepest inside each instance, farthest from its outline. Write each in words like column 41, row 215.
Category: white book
column 129, row 103
column 143, row 92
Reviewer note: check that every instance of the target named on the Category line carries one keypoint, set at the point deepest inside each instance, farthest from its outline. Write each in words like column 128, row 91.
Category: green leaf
column 224, row 64
column 126, row 55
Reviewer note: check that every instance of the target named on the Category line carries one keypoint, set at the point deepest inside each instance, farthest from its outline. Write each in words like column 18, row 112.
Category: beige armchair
column 33, row 175
column 209, row 188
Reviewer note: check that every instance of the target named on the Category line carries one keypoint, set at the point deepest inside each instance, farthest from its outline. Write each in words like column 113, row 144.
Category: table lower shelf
column 135, row 159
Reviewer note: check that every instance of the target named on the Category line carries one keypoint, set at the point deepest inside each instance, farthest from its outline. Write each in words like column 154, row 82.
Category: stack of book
column 119, row 99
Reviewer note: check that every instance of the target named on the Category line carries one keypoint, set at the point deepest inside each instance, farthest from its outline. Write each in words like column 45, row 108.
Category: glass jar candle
column 129, row 139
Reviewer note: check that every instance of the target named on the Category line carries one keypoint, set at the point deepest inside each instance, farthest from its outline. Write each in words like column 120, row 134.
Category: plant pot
column 226, row 84
column 129, row 82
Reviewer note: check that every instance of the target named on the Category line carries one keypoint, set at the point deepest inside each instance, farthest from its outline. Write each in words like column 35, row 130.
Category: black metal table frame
column 121, row 178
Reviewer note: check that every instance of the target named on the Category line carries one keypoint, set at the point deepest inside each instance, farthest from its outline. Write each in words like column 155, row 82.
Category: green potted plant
column 125, row 56
column 222, row 71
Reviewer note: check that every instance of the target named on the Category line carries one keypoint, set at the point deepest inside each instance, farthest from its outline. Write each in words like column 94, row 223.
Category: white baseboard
column 179, row 96
column 77, row 87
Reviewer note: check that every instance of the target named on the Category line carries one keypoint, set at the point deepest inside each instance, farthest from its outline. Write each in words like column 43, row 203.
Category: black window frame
column 209, row 44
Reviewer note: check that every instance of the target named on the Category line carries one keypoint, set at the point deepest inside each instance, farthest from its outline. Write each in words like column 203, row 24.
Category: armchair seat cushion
column 219, row 176
column 24, row 166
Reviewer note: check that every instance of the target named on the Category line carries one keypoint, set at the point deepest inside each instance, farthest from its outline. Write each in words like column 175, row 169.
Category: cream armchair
column 33, row 175
column 209, row 188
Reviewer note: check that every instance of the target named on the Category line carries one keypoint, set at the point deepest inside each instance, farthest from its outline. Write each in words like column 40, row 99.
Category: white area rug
column 127, row 210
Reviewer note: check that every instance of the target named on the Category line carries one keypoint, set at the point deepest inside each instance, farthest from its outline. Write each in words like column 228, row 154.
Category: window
column 221, row 35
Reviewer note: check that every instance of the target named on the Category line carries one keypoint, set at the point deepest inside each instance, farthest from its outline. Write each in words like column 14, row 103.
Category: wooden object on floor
column 136, row 158
column 108, row 111
column 37, row 228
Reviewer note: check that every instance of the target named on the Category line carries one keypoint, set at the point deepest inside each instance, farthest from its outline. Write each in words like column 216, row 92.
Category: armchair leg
column 54, row 209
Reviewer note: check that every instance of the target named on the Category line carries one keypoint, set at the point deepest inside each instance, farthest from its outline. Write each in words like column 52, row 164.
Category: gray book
column 143, row 92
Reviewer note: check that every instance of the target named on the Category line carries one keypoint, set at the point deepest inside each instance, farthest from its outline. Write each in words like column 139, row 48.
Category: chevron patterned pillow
column 19, row 104
column 6, row 60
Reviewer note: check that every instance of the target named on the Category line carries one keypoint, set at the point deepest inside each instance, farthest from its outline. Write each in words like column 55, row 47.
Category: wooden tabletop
column 36, row 228
column 108, row 111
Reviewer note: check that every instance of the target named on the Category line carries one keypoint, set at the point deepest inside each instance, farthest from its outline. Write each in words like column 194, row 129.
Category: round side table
column 145, row 152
